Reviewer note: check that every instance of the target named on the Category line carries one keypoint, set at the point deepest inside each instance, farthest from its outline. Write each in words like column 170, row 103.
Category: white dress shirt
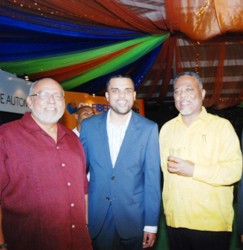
column 115, row 137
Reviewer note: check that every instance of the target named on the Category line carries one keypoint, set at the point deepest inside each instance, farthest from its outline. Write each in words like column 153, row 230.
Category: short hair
column 189, row 73
column 118, row 76
column 83, row 107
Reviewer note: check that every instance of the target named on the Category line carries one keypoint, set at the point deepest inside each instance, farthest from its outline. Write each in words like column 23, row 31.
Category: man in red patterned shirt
column 43, row 183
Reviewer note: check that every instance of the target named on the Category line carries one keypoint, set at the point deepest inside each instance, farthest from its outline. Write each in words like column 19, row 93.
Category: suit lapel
column 103, row 141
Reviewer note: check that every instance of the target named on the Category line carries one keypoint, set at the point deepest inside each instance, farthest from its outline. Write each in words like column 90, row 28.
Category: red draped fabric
column 200, row 23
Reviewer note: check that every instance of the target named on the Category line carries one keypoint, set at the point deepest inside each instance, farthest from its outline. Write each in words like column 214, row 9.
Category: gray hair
column 188, row 73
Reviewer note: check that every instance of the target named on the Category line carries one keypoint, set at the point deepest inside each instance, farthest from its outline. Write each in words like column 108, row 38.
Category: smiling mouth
column 122, row 103
column 50, row 109
column 184, row 103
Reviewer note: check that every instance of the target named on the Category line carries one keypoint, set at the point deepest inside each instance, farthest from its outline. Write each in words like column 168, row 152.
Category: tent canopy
column 82, row 43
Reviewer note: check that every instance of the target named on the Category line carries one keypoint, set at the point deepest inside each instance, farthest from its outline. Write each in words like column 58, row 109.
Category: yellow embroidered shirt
column 204, row 201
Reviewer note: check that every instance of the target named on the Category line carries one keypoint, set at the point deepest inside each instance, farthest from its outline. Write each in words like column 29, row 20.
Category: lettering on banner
column 100, row 108
column 2, row 98
column 13, row 100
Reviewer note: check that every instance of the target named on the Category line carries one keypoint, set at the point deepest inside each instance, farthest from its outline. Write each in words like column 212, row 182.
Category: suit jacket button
column 113, row 178
column 107, row 198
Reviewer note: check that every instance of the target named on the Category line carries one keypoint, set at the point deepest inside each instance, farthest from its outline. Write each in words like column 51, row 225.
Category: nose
column 122, row 93
column 52, row 99
column 183, row 93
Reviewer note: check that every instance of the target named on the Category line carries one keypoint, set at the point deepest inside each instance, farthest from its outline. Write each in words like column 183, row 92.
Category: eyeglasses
column 46, row 96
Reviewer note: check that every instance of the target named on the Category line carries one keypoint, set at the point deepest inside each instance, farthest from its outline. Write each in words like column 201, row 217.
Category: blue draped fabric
column 34, row 40
column 56, row 27
column 33, row 45
column 39, row 37
column 26, row 36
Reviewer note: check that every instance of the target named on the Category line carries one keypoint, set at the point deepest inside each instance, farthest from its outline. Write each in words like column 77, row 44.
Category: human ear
column 203, row 93
column 29, row 102
column 107, row 96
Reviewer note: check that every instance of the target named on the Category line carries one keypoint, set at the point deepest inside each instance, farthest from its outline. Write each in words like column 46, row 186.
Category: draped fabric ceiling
column 81, row 43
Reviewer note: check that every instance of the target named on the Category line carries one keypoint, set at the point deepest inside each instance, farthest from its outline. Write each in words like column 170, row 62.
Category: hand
column 180, row 167
column 241, row 238
column 148, row 239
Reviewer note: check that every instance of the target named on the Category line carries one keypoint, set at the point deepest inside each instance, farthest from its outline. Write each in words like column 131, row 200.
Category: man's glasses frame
column 46, row 96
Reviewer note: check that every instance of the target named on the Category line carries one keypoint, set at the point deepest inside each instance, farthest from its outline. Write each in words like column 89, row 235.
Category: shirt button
column 73, row 226
column 72, row 204
column 69, row 183
column 63, row 164
column 58, row 147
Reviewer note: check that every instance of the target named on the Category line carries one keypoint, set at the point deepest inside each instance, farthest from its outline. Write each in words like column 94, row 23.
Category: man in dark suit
column 122, row 153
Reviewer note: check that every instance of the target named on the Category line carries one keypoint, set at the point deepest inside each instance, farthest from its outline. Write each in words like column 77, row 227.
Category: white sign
column 13, row 93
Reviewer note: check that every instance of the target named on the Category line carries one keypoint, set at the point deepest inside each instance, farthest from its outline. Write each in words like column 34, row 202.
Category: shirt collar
column 202, row 116
column 30, row 124
column 127, row 121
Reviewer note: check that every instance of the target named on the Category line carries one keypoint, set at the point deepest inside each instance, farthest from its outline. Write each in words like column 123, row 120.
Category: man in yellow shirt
column 201, row 160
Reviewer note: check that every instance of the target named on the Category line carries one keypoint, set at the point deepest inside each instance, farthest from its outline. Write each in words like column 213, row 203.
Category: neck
column 49, row 128
column 189, row 119
column 118, row 119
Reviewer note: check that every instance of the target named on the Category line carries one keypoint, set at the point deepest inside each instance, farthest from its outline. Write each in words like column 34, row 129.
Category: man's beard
column 48, row 119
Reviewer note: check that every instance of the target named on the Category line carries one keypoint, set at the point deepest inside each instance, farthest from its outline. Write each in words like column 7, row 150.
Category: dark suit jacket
column 132, row 187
